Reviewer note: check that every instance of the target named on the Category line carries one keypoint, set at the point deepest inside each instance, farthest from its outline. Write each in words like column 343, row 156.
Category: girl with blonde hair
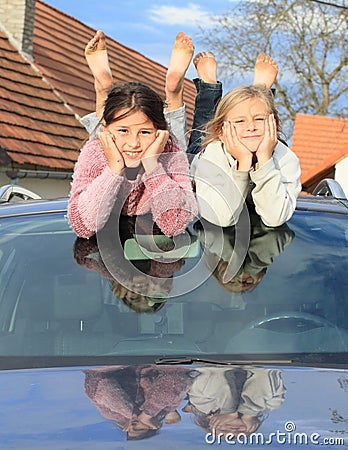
column 242, row 157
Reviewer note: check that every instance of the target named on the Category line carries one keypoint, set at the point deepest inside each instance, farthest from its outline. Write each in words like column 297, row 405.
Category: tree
column 309, row 41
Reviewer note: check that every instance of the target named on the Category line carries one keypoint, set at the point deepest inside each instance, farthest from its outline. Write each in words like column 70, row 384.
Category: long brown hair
column 133, row 97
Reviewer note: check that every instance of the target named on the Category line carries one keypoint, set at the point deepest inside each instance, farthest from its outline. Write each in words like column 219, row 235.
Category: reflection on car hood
column 90, row 408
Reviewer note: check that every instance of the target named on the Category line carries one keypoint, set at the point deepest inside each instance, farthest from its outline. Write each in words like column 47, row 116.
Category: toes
column 202, row 55
column 260, row 57
column 180, row 36
column 273, row 62
column 100, row 34
column 198, row 57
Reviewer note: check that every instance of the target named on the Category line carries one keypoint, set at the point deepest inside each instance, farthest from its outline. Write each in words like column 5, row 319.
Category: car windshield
column 251, row 290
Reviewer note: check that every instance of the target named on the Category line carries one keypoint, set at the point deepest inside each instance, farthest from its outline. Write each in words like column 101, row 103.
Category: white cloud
column 171, row 15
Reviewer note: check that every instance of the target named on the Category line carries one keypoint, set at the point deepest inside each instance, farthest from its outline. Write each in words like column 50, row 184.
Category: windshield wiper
column 223, row 362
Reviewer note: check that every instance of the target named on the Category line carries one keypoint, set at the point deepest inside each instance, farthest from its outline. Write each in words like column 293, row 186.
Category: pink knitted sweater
column 166, row 192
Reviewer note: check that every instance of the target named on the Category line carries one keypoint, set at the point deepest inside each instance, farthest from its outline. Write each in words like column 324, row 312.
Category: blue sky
column 146, row 26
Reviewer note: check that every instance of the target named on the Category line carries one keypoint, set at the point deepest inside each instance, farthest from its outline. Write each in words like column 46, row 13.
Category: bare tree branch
column 329, row 4
column 307, row 39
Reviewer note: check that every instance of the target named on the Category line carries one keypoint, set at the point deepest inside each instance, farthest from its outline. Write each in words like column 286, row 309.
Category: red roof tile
column 37, row 128
column 320, row 142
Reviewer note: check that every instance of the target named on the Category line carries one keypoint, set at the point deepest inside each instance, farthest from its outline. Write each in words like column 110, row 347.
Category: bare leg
column 265, row 70
column 205, row 64
column 97, row 59
column 179, row 61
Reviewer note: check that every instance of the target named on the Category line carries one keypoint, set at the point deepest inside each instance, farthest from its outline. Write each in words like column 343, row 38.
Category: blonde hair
column 233, row 98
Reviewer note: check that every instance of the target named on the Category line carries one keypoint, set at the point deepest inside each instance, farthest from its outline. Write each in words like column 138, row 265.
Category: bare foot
column 265, row 70
column 98, row 62
column 205, row 64
column 180, row 59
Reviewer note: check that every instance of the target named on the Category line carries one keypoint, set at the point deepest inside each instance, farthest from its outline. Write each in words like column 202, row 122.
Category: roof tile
column 320, row 142
column 37, row 127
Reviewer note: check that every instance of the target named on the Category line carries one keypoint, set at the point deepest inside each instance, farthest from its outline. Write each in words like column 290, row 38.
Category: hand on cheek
column 113, row 155
column 151, row 154
column 235, row 147
column 269, row 141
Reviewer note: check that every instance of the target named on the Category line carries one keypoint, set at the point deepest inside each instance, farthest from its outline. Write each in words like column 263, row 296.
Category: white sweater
column 221, row 189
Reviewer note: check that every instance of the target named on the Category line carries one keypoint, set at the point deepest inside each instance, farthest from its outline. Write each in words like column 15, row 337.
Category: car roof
column 42, row 206
column 29, row 207
column 328, row 196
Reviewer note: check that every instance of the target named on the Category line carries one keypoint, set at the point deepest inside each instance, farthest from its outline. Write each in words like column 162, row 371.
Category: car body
column 249, row 322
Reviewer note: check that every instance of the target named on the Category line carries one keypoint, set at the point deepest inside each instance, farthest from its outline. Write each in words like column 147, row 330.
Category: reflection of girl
column 142, row 291
column 234, row 400
column 143, row 285
column 112, row 390
column 138, row 399
column 217, row 389
column 265, row 243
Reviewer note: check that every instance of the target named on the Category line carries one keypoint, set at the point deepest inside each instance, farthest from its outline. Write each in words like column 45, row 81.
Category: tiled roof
column 36, row 128
column 320, row 142
column 40, row 101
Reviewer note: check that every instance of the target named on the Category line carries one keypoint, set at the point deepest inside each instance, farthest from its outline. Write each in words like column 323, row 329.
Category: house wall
column 17, row 17
column 47, row 188
column 341, row 174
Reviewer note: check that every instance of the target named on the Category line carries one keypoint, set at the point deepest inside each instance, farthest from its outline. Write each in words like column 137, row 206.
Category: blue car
column 131, row 339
